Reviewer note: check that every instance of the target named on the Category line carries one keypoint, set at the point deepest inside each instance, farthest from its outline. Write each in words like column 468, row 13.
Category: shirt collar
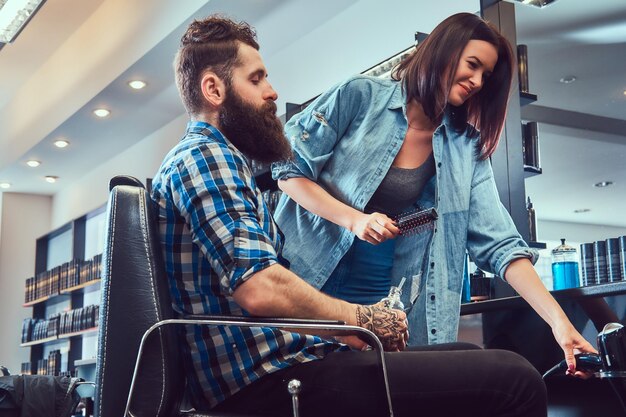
column 398, row 98
column 205, row 129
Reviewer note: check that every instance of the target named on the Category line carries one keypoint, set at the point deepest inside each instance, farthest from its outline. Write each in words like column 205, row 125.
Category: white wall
column 576, row 232
column 351, row 41
column 24, row 219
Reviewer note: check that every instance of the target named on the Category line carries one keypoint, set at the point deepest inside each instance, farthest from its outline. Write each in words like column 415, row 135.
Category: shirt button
column 435, row 230
column 432, row 264
column 439, row 164
column 432, row 297
column 433, row 331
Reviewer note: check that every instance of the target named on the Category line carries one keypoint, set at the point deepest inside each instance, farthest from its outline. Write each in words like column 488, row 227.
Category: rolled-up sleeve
column 219, row 206
column 493, row 241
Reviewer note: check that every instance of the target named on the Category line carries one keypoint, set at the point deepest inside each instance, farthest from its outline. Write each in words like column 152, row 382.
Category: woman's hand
column 572, row 342
column 374, row 228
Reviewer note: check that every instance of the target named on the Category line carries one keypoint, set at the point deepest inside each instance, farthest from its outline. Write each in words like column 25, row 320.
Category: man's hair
column 427, row 76
column 209, row 44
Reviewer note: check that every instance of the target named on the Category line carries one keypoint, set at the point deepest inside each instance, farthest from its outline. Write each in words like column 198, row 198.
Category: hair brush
column 416, row 221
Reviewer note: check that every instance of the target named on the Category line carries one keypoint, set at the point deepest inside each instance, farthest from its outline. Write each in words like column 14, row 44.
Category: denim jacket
column 346, row 141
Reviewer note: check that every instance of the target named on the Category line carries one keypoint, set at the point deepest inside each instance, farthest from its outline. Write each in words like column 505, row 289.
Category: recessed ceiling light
column 137, row 84
column 625, row 92
column 585, row 210
column 33, row 163
column 5, row 185
column 51, row 179
column 603, row 184
column 568, row 79
column 101, row 112
column 61, row 143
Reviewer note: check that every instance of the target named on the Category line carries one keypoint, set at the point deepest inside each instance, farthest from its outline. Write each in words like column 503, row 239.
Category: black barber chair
column 138, row 369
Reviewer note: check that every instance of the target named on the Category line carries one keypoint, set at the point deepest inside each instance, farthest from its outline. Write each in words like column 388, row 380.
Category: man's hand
column 374, row 228
column 389, row 325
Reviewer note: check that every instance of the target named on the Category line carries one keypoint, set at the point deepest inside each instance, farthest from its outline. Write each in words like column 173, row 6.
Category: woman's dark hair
column 427, row 76
column 212, row 43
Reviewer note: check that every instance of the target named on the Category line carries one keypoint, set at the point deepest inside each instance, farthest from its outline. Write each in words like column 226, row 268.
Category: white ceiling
column 76, row 55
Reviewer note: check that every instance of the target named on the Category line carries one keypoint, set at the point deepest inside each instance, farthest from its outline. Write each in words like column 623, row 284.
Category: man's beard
column 256, row 132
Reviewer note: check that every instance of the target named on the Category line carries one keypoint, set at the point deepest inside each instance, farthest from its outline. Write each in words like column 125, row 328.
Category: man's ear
column 213, row 89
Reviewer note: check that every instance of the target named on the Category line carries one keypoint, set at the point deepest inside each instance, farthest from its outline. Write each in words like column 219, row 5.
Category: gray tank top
column 401, row 188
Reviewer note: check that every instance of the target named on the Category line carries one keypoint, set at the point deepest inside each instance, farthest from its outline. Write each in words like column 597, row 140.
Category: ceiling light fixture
column 603, row 184
column 101, row 113
column 51, row 179
column 583, row 210
column 33, row 163
column 14, row 15
column 5, row 185
column 384, row 68
column 61, row 143
column 137, row 84
column 536, row 3
column 568, row 79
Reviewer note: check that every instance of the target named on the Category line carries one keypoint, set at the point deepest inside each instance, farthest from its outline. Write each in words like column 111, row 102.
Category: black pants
column 431, row 381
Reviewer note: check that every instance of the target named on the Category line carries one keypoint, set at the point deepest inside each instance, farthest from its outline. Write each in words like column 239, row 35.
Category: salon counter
column 508, row 303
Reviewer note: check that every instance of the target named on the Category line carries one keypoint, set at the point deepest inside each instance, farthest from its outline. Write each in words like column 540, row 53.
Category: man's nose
column 270, row 94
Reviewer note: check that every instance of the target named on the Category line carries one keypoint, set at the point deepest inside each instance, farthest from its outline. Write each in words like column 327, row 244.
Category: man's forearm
column 278, row 292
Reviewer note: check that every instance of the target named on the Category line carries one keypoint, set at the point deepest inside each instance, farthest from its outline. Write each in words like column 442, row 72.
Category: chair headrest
column 124, row 180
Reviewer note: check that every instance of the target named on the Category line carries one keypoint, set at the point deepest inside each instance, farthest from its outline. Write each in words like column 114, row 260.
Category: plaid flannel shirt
column 216, row 232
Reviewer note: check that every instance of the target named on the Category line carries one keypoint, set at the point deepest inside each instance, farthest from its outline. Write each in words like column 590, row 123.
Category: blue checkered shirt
column 216, row 232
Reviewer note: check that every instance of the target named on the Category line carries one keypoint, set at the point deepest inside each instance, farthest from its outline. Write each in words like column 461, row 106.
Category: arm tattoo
column 383, row 322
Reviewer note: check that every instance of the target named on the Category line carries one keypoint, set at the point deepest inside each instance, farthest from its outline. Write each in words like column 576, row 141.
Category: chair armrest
column 277, row 320
column 337, row 327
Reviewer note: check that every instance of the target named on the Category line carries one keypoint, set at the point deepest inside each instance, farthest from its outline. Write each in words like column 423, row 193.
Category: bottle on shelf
column 522, row 66
column 587, row 259
column 532, row 221
column 565, row 267
column 466, row 291
column 599, row 261
column 480, row 285
column 530, row 133
column 622, row 257
column 613, row 260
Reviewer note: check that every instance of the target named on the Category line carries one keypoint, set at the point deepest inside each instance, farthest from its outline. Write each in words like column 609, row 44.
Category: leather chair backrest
column 135, row 295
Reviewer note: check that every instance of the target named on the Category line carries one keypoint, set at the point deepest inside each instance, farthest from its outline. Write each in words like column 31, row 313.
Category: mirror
column 577, row 61
column 576, row 65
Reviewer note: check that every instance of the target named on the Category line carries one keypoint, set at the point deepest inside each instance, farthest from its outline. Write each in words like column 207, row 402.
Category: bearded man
column 222, row 254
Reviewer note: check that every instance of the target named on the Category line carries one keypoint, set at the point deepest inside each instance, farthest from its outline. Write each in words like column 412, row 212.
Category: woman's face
column 475, row 66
